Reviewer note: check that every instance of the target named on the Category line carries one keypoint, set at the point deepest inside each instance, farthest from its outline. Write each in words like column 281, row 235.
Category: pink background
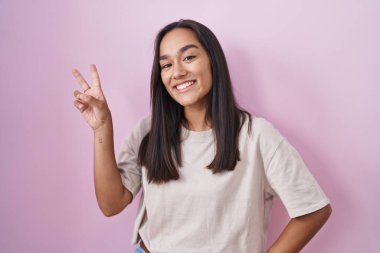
column 312, row 68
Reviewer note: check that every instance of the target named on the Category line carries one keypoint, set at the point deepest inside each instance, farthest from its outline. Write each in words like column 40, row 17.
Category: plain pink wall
column 312, row 68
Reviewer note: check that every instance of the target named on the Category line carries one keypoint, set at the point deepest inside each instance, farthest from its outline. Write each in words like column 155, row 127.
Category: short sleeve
column 127, row 159
column 290, row 179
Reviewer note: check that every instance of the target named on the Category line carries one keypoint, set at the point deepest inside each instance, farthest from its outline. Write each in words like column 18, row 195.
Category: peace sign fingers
column 91, row 103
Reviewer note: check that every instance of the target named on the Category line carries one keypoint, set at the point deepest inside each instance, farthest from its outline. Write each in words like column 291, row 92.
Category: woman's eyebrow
column 181, row 50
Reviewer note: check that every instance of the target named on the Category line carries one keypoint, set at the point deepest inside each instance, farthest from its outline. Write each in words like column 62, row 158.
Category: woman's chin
column 186, row 103
column 191, row 101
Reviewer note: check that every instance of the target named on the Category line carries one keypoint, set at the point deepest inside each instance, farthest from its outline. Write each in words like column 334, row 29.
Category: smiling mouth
column 183, row 86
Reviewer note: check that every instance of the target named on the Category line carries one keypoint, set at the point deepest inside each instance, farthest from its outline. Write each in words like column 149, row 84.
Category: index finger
column 95, row 75
column 80, row 79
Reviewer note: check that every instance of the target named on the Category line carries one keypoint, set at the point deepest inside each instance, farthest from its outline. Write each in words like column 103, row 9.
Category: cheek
column 205, row 70
column 208, row 74
column 164, row 79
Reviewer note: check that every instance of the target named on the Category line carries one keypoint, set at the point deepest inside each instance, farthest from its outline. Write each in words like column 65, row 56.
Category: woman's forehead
column 176, row 39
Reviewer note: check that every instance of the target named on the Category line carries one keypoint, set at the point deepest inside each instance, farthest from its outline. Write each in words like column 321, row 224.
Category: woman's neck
column 196, row 118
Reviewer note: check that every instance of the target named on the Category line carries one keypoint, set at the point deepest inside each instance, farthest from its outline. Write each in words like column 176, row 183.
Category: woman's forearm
column 110, row 192
column 299, row 231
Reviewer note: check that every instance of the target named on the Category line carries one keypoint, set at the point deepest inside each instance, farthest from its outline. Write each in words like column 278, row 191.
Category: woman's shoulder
column 262, row 129
column 142, row 127
column 255, row 122
column 144, row 123
column 262, row 124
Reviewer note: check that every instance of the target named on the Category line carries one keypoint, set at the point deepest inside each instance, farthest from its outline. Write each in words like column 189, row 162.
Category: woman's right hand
column 92, row 102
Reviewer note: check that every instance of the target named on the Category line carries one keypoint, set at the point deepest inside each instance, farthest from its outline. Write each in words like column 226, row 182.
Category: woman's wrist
column 106, row 125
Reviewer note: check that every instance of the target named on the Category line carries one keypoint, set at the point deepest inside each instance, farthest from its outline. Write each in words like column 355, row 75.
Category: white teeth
column 184, row 85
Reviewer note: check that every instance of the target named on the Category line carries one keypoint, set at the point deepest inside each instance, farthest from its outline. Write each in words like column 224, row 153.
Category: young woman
column 208, row 169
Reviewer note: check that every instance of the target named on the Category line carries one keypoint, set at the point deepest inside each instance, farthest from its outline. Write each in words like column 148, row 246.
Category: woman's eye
column 165, row 66
column 189, row 57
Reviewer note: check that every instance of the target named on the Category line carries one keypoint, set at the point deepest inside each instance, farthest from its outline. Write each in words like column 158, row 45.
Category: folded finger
column 81, row 106
column 78, row 105
column 81, row 98
column 77, row 94
column 80, row 79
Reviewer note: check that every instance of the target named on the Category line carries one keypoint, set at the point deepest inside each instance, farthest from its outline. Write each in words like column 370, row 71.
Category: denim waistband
column 139, row 250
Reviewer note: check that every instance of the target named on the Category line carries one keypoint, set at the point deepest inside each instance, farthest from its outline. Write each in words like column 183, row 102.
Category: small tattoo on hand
column 100, row 140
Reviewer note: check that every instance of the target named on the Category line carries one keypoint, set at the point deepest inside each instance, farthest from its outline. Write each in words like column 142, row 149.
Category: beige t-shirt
column 228, row 212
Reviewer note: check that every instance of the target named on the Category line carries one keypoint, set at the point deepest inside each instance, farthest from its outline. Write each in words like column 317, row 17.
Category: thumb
column 89, row 99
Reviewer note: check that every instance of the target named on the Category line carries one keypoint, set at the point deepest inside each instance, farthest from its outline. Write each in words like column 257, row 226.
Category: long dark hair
column 160, row 149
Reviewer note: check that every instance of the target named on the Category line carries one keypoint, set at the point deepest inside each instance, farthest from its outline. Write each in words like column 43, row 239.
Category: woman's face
column 185, row 68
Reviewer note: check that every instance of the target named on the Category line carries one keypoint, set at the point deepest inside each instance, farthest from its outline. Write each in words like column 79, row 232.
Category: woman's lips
column 186, row 88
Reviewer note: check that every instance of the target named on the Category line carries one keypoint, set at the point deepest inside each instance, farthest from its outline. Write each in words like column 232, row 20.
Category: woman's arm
column 299, row 231
column 111, row 195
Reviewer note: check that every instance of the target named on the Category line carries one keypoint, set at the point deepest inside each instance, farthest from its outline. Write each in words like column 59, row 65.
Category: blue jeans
column 139, row 250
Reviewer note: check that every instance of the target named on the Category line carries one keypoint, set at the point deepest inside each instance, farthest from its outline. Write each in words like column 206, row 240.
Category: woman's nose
column 178, row 71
